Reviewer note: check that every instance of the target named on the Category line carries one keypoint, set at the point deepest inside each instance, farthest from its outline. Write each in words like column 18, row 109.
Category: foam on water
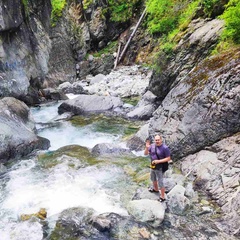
column 30, row 188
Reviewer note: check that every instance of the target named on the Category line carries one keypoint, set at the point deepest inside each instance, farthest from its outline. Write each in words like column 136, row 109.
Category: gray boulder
column 111, row 150
column 86, row 104
column 144, row 210
column 145, row 107
column 17, row 131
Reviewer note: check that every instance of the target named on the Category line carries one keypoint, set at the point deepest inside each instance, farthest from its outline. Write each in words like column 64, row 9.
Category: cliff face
column 200, row 93
column 24, row 45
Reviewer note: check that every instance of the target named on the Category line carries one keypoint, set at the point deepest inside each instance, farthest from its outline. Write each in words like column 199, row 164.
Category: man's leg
column 155, row 185
column 154, row 180
column 162, row 190
column 160, row 184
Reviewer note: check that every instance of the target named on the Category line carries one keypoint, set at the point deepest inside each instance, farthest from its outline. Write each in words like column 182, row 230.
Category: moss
column 26, row 7
column 51, row 158
column 57, row 9
column 113, row 125
column 133, row 100
column 109, row 49
column 200, row 76
column 122, row 10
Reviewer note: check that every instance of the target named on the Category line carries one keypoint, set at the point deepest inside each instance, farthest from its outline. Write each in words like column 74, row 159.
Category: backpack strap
column 165, row 164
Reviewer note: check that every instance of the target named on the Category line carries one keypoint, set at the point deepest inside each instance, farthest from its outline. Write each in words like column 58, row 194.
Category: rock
column 101, row 223
column 24, row 46
column 53, row 94
column 17, row 130
column 216, row 172
column 89, row 104
column 146, row 210
column 142, row 112
column 178, row 203
column 125, row 82
column 111, row 150
column 137, row 142
column 98, row 78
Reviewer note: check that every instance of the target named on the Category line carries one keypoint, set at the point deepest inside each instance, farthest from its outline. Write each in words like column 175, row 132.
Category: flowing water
column 26, row 187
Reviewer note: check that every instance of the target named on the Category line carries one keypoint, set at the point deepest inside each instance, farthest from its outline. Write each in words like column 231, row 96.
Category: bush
column 57, row 8
column 208, row 6
column 232, row 21
column 164, row 15
column 121, row 10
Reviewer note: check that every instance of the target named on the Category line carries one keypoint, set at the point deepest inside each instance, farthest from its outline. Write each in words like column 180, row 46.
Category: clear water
column 64, row 133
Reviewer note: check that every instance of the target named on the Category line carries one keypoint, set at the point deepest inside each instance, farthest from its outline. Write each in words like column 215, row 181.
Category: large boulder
column 203, row 108
column 17, row 130
column 147, row 210
column 87, row 104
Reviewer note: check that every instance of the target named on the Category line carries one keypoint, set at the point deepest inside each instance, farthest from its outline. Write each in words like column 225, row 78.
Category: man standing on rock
column 160, row 155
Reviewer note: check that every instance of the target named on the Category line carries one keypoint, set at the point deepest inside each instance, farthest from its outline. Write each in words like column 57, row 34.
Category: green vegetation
column 170, row 18
column 121, row 10
column 232, row 20
column 133, row 100
column 86, row 3
column 57, row 8
column 26, row 7
column 209, row 5
column 110, row 48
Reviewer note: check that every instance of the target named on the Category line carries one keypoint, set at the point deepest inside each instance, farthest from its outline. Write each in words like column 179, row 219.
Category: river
column 26, row 186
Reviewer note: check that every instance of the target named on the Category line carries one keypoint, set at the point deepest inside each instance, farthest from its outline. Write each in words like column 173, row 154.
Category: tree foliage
column 164, row 15
column 232, row 21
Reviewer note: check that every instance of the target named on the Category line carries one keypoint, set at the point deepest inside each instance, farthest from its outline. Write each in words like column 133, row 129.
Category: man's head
column 158, row 140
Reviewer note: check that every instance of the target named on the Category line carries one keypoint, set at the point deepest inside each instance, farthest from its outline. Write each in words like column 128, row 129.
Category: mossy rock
column 52, row 158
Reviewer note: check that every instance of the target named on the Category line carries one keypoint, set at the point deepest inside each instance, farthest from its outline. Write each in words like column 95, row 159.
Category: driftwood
column 130, row 38
column 118, row 52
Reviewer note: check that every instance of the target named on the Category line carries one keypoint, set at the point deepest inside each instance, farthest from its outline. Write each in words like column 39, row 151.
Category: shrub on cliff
column 232, row 21
column 57, row 8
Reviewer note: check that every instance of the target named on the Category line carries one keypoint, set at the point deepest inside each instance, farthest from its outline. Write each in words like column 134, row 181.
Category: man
column 159, row 154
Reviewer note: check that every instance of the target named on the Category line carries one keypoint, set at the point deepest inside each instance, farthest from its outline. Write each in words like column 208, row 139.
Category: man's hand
column 148, row 144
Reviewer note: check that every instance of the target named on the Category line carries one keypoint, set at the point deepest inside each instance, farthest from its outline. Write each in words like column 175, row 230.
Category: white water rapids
column 26, row 187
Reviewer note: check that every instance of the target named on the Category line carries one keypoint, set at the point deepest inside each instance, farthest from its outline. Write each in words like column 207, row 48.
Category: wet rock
column 73, row 155
column 17, row 130
column 53, row 94
column 87, row 104
column 106, row 149
column 146, row 210
column 101, row 223
column 177, row 202
column 85, row 224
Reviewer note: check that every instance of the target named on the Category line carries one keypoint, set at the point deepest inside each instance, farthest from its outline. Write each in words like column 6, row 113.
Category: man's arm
column 146, row 152
column 162, row 160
